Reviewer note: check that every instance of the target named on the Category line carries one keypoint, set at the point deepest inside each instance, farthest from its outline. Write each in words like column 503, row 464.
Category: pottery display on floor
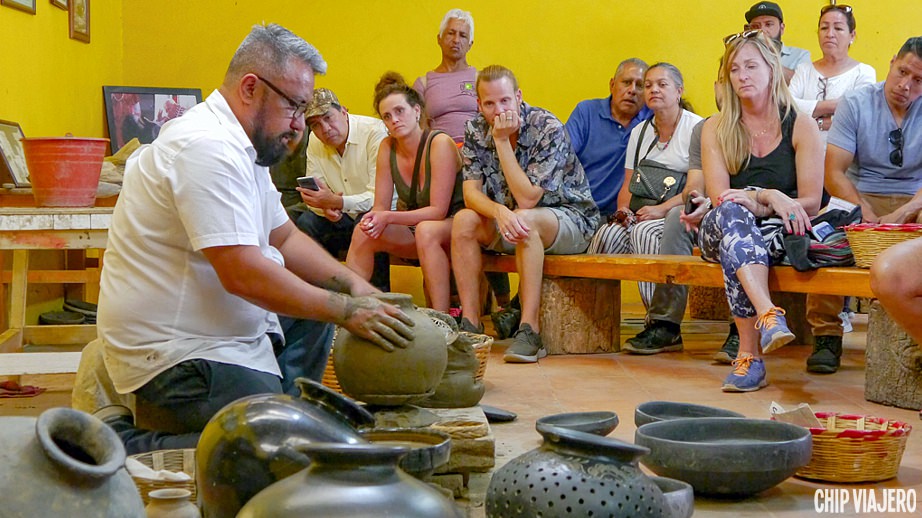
column 680, row 496
column 598, row 423
column 428, row 449
column 171, row 503
column 459, row 386
column 254, row 442
column 575, row 474
column 370, row 374
column 724, row 456
column 653, row 411
column 350, row 481
column 64, row 463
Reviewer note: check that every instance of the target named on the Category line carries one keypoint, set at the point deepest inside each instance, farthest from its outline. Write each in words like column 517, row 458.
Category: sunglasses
column 846, row 9
column 896, row 138
column 823, row 83
column 745, row 34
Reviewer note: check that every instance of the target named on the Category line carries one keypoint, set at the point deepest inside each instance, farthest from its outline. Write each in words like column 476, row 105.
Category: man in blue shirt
column 600, row 128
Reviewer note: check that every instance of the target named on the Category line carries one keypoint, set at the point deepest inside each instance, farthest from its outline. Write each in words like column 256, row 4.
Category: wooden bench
column 581, row 294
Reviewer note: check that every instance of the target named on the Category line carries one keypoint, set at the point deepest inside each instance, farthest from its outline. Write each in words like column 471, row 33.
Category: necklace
column 675, row 126
column 766, row 129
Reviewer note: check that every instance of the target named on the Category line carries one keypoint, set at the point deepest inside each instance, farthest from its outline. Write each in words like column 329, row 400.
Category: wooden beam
column 39, row 363
column 51, row 335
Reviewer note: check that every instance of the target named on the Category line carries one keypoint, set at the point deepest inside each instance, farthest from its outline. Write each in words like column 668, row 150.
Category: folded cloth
column 13, row 389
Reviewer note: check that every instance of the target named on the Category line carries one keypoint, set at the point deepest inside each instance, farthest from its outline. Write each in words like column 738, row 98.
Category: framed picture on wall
column 78, row 15
column 139, row 112
column 60, row 4
column 12, row 157
column 23, row 5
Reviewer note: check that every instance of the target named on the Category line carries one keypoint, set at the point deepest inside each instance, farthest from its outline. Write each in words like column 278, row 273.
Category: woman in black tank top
column 423, row 168
column 763, row 168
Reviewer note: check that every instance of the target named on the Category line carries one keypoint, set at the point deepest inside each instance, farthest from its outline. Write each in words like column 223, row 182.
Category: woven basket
column 171, row 460
column 869, row 239
column 855, row 448
column 482, row 345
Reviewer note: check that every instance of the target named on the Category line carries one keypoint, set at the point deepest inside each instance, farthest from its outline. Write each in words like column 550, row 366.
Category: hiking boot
column 466, row 325
column 526, row 346
column 730, row 349
column 827, row 351
column 774, row 330
column 656, row 338
column 506, row 321
column 748, row 374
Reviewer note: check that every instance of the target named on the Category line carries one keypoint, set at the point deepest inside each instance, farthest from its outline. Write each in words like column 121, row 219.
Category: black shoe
column 653, row 340
column 827, row 354
column 506, row 321
column 730, row 349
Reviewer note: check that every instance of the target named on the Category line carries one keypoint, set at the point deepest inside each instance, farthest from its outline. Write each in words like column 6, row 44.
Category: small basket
column 855, row 448
column 869, row 239
column 482, row 345
column 171, row 460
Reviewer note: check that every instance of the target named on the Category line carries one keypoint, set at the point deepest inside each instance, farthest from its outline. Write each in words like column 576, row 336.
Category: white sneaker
column 845, row 317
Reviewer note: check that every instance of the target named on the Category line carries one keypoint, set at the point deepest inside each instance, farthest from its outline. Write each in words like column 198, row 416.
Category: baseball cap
column 764, row 9
column 324, row 98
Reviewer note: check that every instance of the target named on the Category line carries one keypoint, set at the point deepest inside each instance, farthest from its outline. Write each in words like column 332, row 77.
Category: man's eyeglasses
column 823, row 83
column 896, row 138
column 299, row 108
column 745, row 34
column 846, row 9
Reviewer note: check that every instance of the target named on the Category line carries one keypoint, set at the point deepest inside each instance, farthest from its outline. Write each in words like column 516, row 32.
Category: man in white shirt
column 341, row 158
column 202, row 256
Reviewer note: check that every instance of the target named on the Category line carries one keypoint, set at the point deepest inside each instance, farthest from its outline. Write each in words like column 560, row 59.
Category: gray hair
column 268, row 49
column 636, row 62
column 457, row 14
column 913, row 45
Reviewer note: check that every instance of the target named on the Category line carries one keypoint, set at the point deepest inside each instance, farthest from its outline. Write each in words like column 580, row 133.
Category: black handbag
column 652, row 183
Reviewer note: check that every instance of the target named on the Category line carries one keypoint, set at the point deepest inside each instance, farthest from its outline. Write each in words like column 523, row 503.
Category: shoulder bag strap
column 643, row 131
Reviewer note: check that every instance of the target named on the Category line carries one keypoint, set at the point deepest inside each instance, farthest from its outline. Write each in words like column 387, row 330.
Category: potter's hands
column 378, row 322
column 692, row 220
column 509, row 225
column 373, row 223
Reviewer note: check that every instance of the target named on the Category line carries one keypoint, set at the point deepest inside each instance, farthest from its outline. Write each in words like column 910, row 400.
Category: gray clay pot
column 653, row 411
column 680, row 496
column 726, row 457
column 598, row 423
column 65, row 463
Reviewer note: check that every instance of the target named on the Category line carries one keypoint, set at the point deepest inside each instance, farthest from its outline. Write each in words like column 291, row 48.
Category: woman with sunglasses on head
column 662, row 143
column 763, row 169
column 817, row 86
column 423, row 167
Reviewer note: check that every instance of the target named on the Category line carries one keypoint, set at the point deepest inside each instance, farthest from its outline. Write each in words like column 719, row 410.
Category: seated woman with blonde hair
column 765, row 162
column 423, row 167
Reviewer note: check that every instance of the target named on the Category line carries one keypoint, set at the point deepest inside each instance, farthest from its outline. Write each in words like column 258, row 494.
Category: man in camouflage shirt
column 526, row 194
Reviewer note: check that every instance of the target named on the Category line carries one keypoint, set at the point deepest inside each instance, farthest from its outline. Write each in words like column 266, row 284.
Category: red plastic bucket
column 64, row 171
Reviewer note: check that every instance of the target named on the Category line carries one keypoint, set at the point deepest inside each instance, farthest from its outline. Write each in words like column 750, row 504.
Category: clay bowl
column 598, row 423
column 429, row 449
column 725, row 457
column 654, row 411
column 680, row 497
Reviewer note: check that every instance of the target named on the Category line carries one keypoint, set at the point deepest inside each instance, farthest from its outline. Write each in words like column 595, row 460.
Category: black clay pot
column 350, row 481
column 254, row 442
column 65, row 463
column 575, row 474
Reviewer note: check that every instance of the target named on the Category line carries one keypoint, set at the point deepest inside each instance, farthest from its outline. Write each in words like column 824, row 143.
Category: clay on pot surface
column 65, row 463
column 427, row 449
column 575, row 474
column 350, row 481
column 598, row 423
column 459, row 386
column 253, row 442
column 680, row 496
column 368, row 373
column 653, row 411
column 171, row 503
column 724, row 456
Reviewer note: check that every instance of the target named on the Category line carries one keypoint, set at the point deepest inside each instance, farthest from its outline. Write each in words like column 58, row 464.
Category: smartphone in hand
column 308, row 182
column 690, row 205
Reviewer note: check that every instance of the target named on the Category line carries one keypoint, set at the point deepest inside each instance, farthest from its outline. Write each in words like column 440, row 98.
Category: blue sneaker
column 774, row 330
column 748, row 374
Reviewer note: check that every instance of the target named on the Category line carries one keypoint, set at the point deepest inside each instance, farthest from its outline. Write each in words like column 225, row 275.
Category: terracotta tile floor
column 619, row 382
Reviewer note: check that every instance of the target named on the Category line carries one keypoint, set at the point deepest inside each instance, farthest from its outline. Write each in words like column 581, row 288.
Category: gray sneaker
column 468, row 327
column 526, row 346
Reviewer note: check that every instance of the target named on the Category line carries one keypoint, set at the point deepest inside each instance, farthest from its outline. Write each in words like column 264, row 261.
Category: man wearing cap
column 341, row 157
column 767, row 17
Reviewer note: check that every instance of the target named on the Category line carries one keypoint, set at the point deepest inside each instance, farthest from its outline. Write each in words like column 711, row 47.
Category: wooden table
column 23, row 230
